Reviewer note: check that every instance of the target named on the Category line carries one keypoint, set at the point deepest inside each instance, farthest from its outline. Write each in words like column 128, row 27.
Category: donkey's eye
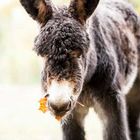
column 76, row 53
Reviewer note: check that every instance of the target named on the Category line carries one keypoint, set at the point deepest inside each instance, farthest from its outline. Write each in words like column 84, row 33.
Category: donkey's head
column 64, row 45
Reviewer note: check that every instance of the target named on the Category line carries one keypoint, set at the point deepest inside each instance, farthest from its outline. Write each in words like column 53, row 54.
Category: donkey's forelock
column 61, row 36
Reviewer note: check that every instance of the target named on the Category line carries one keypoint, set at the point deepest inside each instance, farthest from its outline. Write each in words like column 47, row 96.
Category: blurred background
column 20, row 70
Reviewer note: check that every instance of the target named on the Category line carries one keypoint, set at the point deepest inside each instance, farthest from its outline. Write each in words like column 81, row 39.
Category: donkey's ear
column 82, row 9
column 39, row 10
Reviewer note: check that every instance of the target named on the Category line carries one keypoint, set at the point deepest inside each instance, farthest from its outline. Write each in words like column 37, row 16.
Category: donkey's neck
column 91, row 60
column 92, row 55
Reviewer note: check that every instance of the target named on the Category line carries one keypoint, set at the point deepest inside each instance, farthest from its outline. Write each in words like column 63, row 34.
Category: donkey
column 90, row 49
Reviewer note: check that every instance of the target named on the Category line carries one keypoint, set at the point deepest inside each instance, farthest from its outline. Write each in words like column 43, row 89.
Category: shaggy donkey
column 91, row 57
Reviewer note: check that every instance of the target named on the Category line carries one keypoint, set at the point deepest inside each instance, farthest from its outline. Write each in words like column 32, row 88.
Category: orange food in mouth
column 58, row 118
column 43, row 106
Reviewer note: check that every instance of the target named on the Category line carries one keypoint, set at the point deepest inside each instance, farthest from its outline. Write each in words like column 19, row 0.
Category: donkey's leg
column 112, row 110
column 133, row 104
column 73, row 129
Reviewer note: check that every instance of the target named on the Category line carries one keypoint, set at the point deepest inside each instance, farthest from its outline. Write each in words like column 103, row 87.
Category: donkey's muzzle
column 59, row 109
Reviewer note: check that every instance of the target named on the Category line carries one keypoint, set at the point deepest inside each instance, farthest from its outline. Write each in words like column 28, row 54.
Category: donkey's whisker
column 80, row 104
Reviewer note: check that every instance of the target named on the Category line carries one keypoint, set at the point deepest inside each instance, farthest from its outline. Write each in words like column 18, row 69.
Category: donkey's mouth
column 60, row 112
column 59, row 115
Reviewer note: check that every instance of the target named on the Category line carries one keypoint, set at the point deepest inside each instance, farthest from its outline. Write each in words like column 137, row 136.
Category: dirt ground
column 20, row 118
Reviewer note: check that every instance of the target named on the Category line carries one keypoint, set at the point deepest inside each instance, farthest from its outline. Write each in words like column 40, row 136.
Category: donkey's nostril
column 59, row 108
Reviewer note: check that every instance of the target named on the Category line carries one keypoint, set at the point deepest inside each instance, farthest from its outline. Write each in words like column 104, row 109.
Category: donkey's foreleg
column 113, row 113
column 73, row 129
